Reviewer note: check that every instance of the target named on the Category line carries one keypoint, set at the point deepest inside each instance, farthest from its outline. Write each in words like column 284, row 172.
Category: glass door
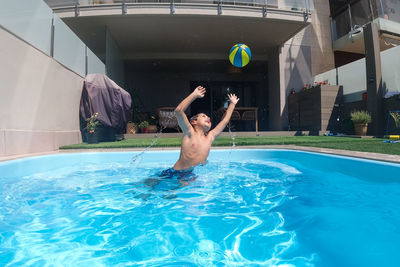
column 216, row 97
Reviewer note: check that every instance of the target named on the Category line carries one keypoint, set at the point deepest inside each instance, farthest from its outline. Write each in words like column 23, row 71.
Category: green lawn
column 346, row 143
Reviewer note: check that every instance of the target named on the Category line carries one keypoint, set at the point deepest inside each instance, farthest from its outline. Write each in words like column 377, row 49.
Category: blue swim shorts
column 186, row 175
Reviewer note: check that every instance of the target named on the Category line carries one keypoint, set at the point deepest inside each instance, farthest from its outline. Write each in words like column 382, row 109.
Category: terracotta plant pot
column 144, row 130
column 152, row 128
column 360, row 129
column 364, row 97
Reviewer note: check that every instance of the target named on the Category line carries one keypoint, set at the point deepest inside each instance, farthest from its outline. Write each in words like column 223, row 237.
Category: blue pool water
column 245, row 208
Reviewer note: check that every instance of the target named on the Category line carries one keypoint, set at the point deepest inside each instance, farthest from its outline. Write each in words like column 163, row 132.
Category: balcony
column 262, row 7
column 184, row 29
column 348, row 22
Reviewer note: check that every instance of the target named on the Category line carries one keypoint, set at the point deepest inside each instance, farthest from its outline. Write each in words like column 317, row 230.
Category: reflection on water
column 114, row 214
column 254, row 213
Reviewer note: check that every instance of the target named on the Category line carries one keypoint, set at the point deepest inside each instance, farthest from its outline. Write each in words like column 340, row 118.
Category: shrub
column 360, row 117
column 91, row 123
column 143, row 124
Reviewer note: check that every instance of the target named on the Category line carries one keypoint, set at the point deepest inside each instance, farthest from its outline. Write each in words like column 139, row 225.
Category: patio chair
column 251, row 115
column 167, row 118
column 221, row 113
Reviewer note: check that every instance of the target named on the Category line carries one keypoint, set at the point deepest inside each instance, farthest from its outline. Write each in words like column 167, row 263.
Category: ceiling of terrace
column 182, row 36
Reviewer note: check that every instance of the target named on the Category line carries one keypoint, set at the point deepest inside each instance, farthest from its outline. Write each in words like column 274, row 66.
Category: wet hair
column 194, row 117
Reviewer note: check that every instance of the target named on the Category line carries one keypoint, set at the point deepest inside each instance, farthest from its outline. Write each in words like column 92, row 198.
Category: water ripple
column 110, row 215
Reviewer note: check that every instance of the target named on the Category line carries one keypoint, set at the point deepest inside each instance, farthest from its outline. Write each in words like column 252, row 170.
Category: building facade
column 159, row 51
column 167, row 48
column 155, row 47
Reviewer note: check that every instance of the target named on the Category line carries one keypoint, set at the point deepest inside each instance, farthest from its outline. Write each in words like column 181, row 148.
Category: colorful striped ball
column 240, row 55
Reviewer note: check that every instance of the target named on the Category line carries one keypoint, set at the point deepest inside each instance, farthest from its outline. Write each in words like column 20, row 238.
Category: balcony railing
column 352, row 76
column 284, row 5
column 359, row 13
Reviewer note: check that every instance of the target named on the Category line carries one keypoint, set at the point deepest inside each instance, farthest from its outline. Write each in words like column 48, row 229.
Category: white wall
column 39, row 100
column 292, row 66
column 391, row 70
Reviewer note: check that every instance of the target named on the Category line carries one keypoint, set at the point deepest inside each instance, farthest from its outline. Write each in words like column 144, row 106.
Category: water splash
column 213, row 222
column 225, row 163
column 138, row 157
column 233, row 137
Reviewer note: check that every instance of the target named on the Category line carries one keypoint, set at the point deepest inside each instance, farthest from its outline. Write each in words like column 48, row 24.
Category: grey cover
column 112, row 103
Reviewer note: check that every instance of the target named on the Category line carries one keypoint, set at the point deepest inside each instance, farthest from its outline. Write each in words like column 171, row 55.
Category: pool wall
column 33, row 86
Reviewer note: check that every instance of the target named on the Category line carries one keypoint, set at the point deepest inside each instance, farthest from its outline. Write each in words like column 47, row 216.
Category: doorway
column 216, row 98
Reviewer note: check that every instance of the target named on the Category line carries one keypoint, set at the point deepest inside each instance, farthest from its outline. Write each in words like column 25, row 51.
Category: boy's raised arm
column 180, row 109
column 233, row 99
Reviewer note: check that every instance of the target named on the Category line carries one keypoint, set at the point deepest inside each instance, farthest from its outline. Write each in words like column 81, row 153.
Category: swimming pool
column 245, row 208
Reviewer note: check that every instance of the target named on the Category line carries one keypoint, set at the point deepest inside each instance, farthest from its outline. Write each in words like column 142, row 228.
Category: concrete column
column 374, row 78
column 289, row 67
column 293, row 64
column 319, row 36
column 275, row 101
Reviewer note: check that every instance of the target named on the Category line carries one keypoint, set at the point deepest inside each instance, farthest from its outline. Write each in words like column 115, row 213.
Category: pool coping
column 348, row 153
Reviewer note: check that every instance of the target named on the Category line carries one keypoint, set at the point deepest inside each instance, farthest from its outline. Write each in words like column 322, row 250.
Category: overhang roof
column 184, row 36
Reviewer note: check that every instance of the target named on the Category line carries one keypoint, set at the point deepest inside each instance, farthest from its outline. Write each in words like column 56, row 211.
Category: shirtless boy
column 196, row 141
column 197, row 137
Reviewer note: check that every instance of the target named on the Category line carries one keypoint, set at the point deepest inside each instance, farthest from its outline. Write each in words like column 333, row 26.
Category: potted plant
column 153, row 124
column 91, row 124
column 360, row 119
column 144, row 127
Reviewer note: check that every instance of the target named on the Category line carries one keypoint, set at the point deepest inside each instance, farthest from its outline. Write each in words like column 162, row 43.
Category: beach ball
column 240, row 55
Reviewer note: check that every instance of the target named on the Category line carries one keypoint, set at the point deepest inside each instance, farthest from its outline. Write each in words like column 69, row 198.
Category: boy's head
column 201, row 120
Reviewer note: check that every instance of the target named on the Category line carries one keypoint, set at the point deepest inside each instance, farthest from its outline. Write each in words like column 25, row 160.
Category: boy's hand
column 199, row 92
column 233, row 98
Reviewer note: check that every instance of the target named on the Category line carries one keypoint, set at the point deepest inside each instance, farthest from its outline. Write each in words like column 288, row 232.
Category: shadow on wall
column 308, row 56
column 298, row 62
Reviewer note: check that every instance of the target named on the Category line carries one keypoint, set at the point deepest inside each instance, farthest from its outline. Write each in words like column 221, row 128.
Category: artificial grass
column 346, row 143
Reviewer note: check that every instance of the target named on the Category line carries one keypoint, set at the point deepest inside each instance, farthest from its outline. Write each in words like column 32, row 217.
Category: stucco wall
column 310, row 51
column 39, row 100
column 321, row 38
column 305, row 55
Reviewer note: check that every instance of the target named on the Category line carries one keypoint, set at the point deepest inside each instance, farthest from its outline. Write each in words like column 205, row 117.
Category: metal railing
column 358, row 13
column 304, row 6
column 352, row 76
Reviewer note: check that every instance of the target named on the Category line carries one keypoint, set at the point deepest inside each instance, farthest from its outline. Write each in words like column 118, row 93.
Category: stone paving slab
column 241, row 134
column 357, row 154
